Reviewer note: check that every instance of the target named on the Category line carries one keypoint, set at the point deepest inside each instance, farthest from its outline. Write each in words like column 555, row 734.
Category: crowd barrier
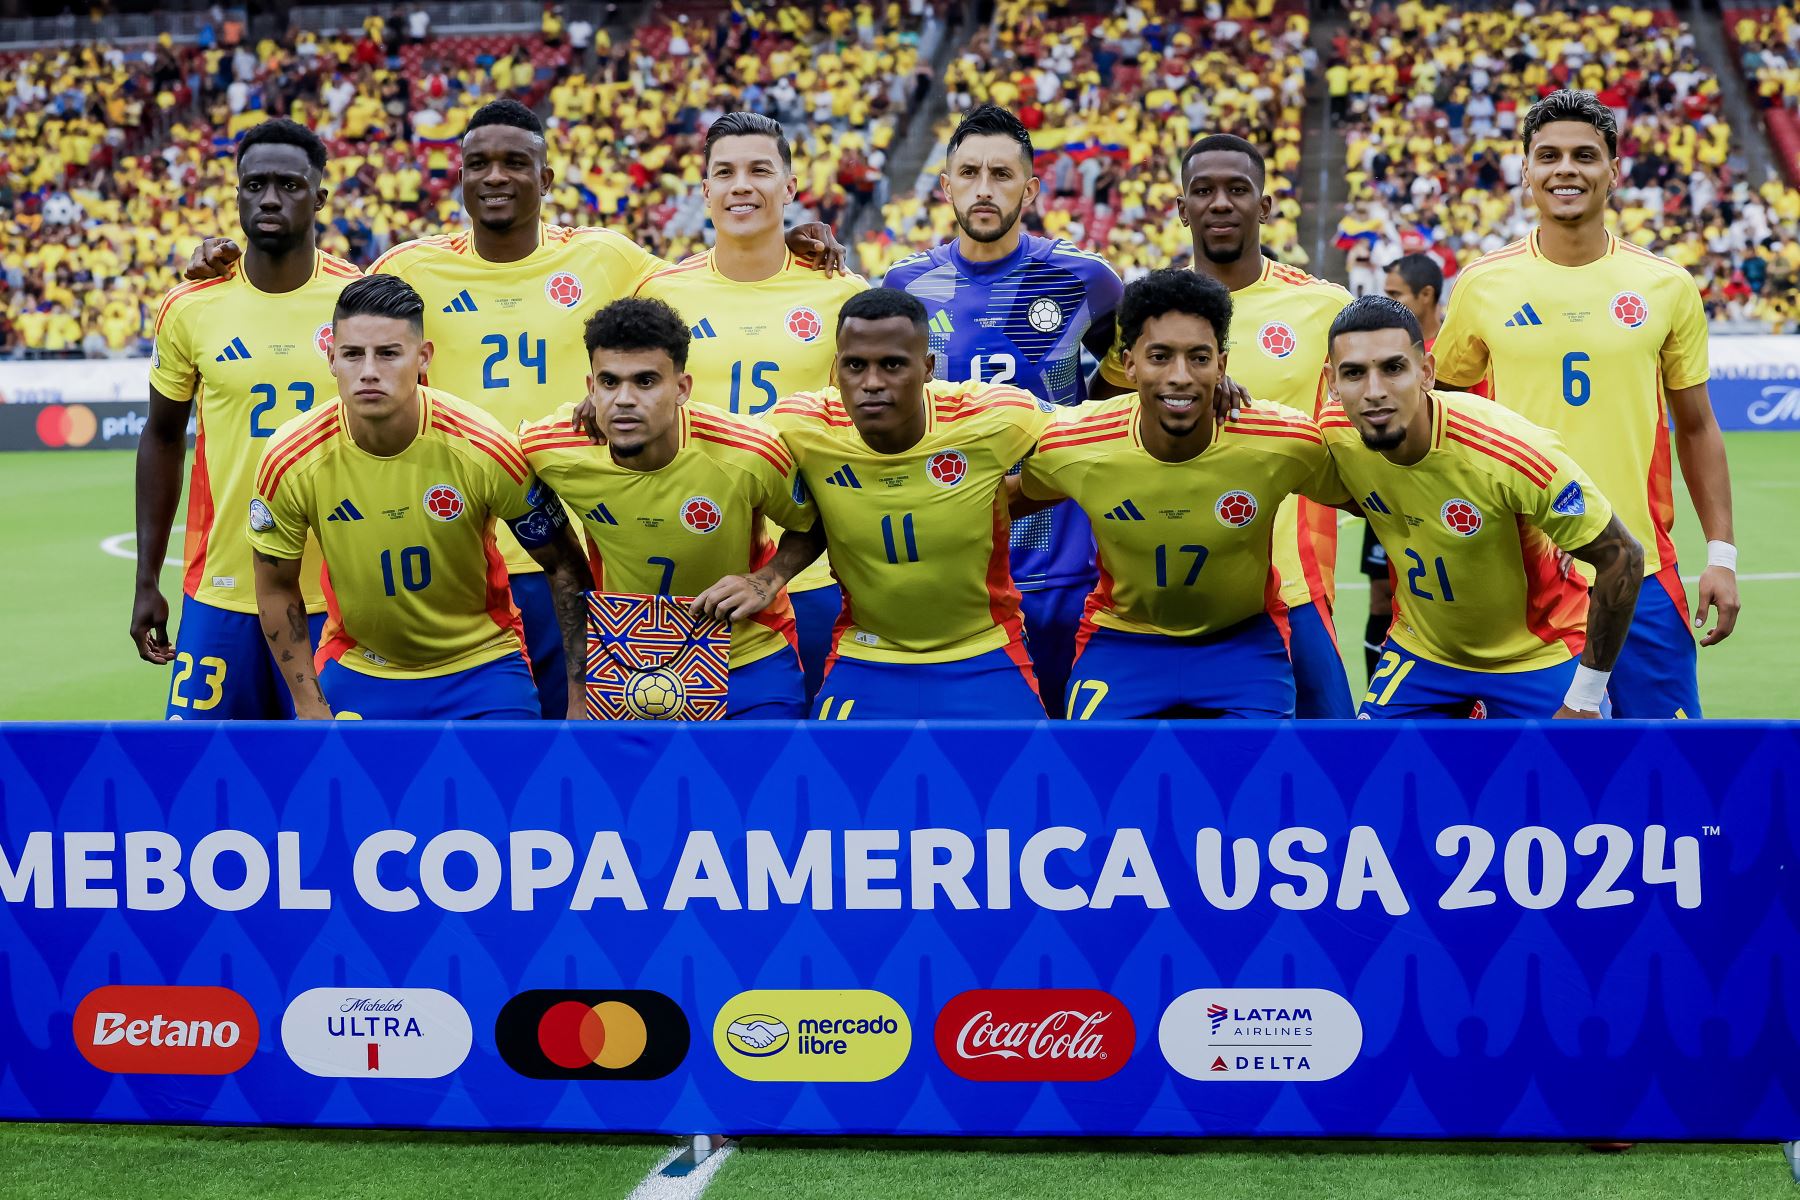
column 1462, row 930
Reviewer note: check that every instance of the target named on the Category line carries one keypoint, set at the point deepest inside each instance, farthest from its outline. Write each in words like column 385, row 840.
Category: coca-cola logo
column 1018, row 1035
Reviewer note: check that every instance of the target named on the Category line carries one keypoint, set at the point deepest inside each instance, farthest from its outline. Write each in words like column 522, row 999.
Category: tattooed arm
column 739, row 597
column 570, row 579
column 1618, row 562
column 283, row 614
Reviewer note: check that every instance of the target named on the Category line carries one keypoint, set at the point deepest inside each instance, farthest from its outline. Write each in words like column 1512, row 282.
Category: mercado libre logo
column 798, row 1036
column 567, row 1034
column 125, row 1029
column 1025, row 1035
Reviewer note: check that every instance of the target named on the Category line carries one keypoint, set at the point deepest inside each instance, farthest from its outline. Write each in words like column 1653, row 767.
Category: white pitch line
column 115, row 546
column 657, row 1186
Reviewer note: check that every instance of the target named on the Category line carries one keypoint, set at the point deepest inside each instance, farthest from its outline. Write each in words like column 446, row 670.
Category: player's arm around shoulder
column 279, row 522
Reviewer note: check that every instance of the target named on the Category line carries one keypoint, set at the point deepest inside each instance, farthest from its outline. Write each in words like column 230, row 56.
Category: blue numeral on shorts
column 906, row 533
column 1417, row 572
column 268, row 393
column 415, row 569
column 1162, row 565
column 668, row 573
column 530, row 355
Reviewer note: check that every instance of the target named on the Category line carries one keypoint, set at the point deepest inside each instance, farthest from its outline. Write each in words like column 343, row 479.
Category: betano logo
column 812, row 1036
column 376, row 1033
column 561, row 1034
column 127, row 1029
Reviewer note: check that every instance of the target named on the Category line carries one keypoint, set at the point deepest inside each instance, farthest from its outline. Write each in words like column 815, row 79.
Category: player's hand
column 150, row 627
column 736, row 597
column 817, row 246
column 1565, row 713
column 1718, row 589
column 212, row 258
column 1228, row 397
column 587, row 421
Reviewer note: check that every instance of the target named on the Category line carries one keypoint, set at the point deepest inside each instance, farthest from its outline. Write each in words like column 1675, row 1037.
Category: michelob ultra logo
column 812, row 1036
column 376, row 1033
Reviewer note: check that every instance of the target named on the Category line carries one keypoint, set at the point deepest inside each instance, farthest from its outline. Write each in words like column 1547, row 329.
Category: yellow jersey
column 1586, row 352
column 250, row 360
column 508, row 336
column 1184, row 547
column 1472, row 532
column 756, row 342
column 918, row 539
column 678, row 530
column 415, row 584
column 1279, row 342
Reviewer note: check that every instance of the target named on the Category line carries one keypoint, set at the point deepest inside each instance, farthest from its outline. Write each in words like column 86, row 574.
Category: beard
column 275, row 244
column 1225, row 254
column 1007, row 221
column 1387, row 439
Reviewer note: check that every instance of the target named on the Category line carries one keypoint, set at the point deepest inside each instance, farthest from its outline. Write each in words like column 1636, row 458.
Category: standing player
column 673, row 502
column 1282, row 315
column 504, row 304
column 1472, row 501
column 248, row 351
column 1185, row 621
column 1602, row 343
column 1009, row 307
column 401, row 484
column 907, row 474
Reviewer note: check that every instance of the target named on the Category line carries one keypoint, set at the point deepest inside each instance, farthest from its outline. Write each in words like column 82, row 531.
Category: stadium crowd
column 1429, row 98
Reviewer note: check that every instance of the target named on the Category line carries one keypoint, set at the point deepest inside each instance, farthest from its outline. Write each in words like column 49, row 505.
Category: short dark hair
column 990, row 120
column 1368, row 314
column 505, row 112
column 282, row 132
column 879, row 304
column 1420, row 271
column 746, row 124
column 636, row 323
column 381, row 296
column 1571, row 105
column 1174, row 289
column 1227, row 143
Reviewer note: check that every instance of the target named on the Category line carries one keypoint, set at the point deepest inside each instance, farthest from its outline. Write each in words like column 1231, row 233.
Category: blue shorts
column 543, row 641
column 501, row 690
column 1657, row 675
column 223, row 668
column 1321, row 688
column 996, row 686
column 769, row 689
column 1405, row 685
column 1052, row 619
column 815, row 617
column 1238, row 672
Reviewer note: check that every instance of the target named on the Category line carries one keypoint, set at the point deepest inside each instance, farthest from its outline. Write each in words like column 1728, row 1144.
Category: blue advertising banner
column 1465, row 929
column 1755, row 381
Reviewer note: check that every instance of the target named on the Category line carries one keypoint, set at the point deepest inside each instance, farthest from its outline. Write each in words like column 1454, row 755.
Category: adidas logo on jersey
column 600, row 516
column 941, row 323
column 1525, row 316
column 345, row 511
column 235, row 352
column 463, row 303
column 704, row 329
column 1373, row 503
column 1125, row 512
column 843, row 477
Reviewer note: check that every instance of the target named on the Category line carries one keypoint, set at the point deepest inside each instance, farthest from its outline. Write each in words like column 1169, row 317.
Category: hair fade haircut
column 636, row 323
column 1370, row 314
column 381, row 296
column 283, row 132
column 1571, row 105
column 1174, row 289
column 1418, row 272
column 746, row 124
column 880, row 304
column 1227, row 143
column 505, row 112
column 990, row 120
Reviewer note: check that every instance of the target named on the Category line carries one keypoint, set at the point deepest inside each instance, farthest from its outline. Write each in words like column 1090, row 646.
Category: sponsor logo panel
column 817, row 1036
column 1049, row 1034
column 592, row 1034
column 130, row 1029
column 1259, row 1034
column 376, row 1033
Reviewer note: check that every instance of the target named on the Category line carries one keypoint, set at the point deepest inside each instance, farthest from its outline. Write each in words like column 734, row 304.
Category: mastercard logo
column 62, row 426
column 565, row 1034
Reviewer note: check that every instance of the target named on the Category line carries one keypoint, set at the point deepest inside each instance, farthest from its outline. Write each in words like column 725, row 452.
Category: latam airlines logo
column 1231, row 1035
column 376, row 1033
column 1022, row 1035
column 125, row 1029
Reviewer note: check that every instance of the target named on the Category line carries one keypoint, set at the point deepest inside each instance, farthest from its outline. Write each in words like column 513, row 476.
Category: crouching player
column 673, row 500
column 1187, row 619
column 907, row 474
column 1472, row 502
column 400, row 484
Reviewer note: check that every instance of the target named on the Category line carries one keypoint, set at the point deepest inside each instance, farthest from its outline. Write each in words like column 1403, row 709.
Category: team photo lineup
column 1001, row 485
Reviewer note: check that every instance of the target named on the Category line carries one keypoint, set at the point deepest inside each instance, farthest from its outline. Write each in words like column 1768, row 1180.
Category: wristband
column 1722, row 554
column 1587, row 689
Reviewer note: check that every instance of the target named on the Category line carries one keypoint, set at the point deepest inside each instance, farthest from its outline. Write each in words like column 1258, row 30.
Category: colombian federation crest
column 701, row 515
column 1630, row 310
column 1461, row 517
column 947, row 468
column 564, row 289
column 1045, row 315
column 322, row 341
column 443, row 502
column 1235, row 509
column 1277, row 339
column 805, row 324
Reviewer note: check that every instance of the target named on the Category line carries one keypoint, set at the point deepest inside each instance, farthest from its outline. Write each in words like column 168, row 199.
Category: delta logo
column 376, row 1033
column 804, row 324
column 563, row 289
column 574, row 1034
column 1277, row 339
column 1060, row 1035
column 812, row 1036
column 1630, row 310
column 1260, row 1034
column 129, row 1029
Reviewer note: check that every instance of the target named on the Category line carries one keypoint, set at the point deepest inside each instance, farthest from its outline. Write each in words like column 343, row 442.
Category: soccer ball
column 1277, row 340
column 1236, row 509
column 947, row 467
column 564, row 289
column 653, row 695
column 1629, row 309
column 443, row 502
column 805, row 324
column 1461, row 517
column 701, row 515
